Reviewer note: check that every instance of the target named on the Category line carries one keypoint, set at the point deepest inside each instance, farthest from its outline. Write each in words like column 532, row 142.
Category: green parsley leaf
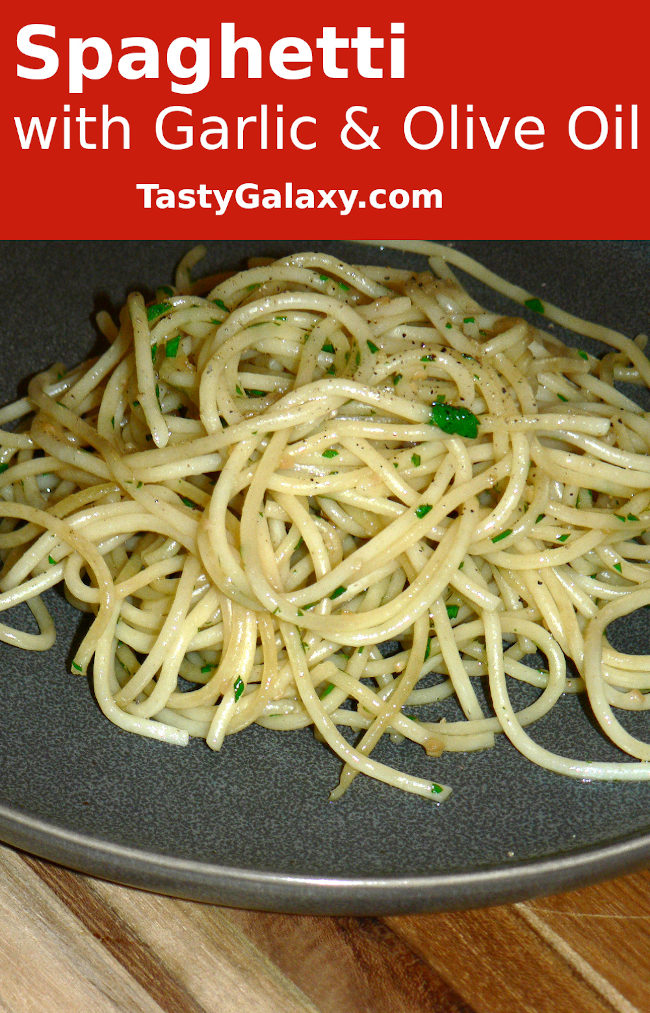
column 328, row 347
column 171, row 348
column 157, row 310
column 372, row 346
column 452, row 611
column 423, row 510
column 338, row 592
column 330, row 452
column 534, row 304
column 415, row 460
column 238, row 687
column 504, row 534
column 452, row 419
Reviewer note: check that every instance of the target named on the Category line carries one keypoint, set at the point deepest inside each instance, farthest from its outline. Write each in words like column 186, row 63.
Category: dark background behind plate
column 252, row 825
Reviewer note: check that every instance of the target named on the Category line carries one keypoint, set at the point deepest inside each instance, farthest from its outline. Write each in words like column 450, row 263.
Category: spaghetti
column 316, row 494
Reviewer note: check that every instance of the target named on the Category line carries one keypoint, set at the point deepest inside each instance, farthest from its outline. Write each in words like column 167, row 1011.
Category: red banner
column 501, row 120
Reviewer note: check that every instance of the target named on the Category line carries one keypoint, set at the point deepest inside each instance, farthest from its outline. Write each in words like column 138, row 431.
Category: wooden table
column 69, row 943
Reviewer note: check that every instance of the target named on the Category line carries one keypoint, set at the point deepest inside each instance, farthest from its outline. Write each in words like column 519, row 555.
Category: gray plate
column 252, row 826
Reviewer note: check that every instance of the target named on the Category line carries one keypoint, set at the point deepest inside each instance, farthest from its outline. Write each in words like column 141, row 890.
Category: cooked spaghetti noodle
column 270, row 476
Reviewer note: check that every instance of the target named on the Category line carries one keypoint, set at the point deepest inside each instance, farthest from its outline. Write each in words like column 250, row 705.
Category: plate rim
column 229, row 886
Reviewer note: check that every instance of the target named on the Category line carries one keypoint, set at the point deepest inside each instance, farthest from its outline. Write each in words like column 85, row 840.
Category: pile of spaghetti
column 269, row 476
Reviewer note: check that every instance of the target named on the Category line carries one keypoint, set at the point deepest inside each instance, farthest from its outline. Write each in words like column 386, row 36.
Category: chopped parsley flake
column 3, row 467
column 154, row 351
column 534, row 304
column 157, row 310
column 207, row 668
column 189, row 503
column 396, row 379
column 468, row 320
column 51, row 561
column 338, row 592
column 77, row 667
column 452, row 419
column 583, row 355
column 415, row 460
column 328, row 689
column 632, row 517
column 372, row 346
column 238, row 687
column 423, row 510
column 330, row 452
column 504, row 534
column 328, row 347
column 436, row 789
column 562, row 538
column 562, row 397
column 221, row 304
column 171, row 348
column 452, row 611
column 617, row 566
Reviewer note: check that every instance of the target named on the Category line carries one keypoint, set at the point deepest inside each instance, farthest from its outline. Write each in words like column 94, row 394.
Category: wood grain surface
column 70, row 943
